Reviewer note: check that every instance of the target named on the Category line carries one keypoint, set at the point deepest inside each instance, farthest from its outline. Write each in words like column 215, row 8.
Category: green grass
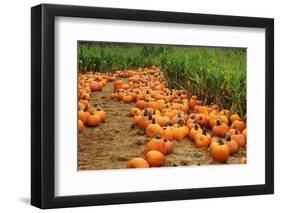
column 216, row 75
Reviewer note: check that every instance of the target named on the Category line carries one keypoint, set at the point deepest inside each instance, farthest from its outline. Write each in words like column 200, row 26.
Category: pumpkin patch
column 136, row 118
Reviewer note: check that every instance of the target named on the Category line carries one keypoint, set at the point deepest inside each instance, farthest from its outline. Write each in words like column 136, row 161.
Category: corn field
column 215, row 75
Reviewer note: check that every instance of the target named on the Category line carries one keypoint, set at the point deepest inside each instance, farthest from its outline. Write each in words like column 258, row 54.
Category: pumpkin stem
column 227, row 137
column 204, row 131
column 149, row 116
column 145, row 113
column 157, row 137
column 220, row 142
column 196, row 127
column 218, row 122
column 153, row 121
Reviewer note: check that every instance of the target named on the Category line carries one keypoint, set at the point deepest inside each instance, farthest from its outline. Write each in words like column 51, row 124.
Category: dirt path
column 113, row 143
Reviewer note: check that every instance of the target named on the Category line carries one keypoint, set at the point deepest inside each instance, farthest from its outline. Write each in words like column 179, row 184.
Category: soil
column 111, row 144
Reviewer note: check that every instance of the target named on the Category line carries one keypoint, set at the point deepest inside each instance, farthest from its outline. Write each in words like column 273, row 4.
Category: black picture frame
column 43, row 102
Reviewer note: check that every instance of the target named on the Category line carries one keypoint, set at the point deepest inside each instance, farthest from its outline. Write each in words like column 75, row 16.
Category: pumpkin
column 82, row 116
column 136, row 120
column 91, row 110
column 239, row 138
column 160, row 105
column 244, row 133
column 224, row 119
column 137, row 163
column 214, row 141
column 201, row 120
column 140, row 96
column 141, row 104
column 93, row 120
column 180, row 132
column 81, row 106
column 220, row 129
column 85, row 96
column 127, row 99
column 101, row 114
column 168, row 133
column 194, row 131
column 156, row 144
column 153, row 129
column 134, row 111
column 80, row 126
column 192, row 102
column 202, row 140
column 240, row 125
column 118, row 84
column 155, row 158
column 232, row 144
column 169, row 147
column 225, row 112
column 162, row 120
column 234, row 117
column 220, row 151
column 212, row 121
column 145, row 121
column 95, row 86
column 184, row 107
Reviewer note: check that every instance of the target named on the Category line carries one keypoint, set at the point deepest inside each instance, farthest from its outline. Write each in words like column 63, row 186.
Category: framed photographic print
column 140, row 106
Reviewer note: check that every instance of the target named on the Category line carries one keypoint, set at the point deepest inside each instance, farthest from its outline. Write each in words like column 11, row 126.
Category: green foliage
column 216, row 75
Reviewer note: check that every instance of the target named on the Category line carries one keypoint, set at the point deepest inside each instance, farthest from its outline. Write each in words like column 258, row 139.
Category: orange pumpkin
column 239, row 138
column 220, row 152
column 93, row 120
column 202, row 140
column 101, row 114
column 220, row 129
column 156, row 144
column 168, row 133
column 141, row 104
column 169, row 147
column 155, row 158
column 95, row 86
column 127, row 99
column 180, row 132
column 145, row 120
column 160, row 105
column 137, row 163
column 134, row 111
column 194, row 131
column 118, row 84
column 80, row 126
column 244, row 133
column 153, row 129
column 234, row 117
column 232, row 144
column 202, row 121
column 239, row 124
column 162, row 120
column 136, row 120
column 82, row 116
